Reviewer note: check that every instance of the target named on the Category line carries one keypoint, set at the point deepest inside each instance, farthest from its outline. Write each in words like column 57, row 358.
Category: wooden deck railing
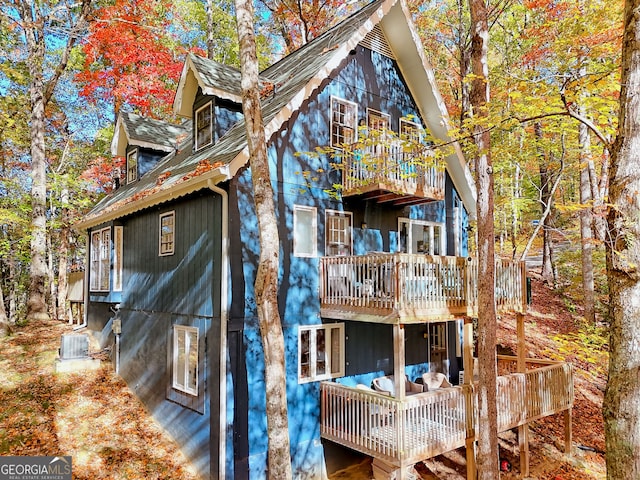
column 392, row 167
column 421, row 426
column 413, row 287
column 427, row 424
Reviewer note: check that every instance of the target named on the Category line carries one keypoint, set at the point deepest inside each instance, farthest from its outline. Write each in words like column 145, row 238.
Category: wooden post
column 398, row 360
column 522, row 353
column 398, row 380
column 467, row 362
column 523, row 430
column 568, row 435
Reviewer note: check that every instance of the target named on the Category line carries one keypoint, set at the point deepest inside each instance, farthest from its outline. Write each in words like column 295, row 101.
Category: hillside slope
column 93, row 416
column 554, row 330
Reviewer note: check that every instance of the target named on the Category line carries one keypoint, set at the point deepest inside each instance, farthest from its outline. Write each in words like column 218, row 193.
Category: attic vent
column 376, row 41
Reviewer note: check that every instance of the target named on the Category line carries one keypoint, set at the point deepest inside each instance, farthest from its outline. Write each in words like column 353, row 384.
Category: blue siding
column 183, row 288
column 160, row 291
column 369, row 348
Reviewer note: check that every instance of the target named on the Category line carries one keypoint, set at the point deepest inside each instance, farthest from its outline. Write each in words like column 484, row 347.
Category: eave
column 172, row 192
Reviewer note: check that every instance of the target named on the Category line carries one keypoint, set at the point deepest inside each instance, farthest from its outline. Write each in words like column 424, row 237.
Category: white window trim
column 297, row 209
column 355, row 119
column 313, row 354
column 208, row 105
column 338, row 213
column 172, row 250
column 386, row 116
column 96, row 267
column 188, row 346
column 132, row 178
column 410, row 222
column 405, row 121
column 457, row 231
column 118, row 241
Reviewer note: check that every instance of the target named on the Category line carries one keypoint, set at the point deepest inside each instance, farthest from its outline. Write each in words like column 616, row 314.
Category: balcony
column 404, row 432
column 392, row 174
column 406, row 288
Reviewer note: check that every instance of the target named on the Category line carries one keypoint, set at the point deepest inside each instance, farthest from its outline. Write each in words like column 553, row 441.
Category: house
column 374, row 282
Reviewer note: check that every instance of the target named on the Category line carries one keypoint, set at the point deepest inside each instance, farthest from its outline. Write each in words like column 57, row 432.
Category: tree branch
column 64, row 59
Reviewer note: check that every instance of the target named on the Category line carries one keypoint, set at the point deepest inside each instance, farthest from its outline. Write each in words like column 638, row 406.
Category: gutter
column 171, row 193
column 224, row 313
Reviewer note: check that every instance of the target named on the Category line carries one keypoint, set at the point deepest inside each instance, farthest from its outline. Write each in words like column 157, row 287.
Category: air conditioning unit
column 74, row 346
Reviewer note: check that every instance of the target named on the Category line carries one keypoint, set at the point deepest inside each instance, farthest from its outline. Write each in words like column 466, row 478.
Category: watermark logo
column 35, row 468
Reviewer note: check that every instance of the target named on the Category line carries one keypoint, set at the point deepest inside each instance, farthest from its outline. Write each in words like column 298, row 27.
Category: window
column 132, row 166
column 409, row 131
column 377, row 121
column 185, row 359
column 320, row 352
column 338, row 232
column 344, row 116
column 100, row 260
column 418, row 236
column 438, row 336
column 167, row 233
column 117, row 258
column 305, row 231
column 204, row 126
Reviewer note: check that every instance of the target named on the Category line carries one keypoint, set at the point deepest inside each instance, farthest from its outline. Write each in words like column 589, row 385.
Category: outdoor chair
column 434, row 380
column 386, row 385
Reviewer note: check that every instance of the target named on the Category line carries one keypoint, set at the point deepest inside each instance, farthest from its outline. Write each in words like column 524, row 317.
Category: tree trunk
column 621, row 407
column 37, row 302
column 487, row 461
column 13, row 288
column 210, row 40
column 62, row 304
column 545, row 205
column 516, row 195
column 600, row 191
column 266, row 286
column 5, row 327
column 33, row 21
column 586, row 231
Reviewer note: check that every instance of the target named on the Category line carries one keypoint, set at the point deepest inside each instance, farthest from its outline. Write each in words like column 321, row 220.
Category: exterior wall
column 369, row 347
column 225, row 113
column 160, row 291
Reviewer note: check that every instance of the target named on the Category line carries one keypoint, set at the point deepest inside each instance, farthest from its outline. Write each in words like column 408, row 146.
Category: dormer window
column 132, row 166
column 204, row 126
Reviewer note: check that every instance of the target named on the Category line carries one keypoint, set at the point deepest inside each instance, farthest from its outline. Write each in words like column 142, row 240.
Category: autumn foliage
column 130, row 57
column 300, row 22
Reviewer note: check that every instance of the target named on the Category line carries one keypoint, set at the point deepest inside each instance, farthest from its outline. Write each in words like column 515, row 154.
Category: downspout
column 85, row 285
column 224, row 312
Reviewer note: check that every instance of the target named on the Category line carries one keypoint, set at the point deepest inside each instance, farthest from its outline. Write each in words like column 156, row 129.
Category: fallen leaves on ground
column 91, row 416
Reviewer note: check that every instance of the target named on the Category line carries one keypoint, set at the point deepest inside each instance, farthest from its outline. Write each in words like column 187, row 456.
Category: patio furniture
column 433, row 380
column 386, row 385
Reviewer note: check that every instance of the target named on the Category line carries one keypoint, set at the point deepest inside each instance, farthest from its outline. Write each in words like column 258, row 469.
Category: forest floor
column 93, row 416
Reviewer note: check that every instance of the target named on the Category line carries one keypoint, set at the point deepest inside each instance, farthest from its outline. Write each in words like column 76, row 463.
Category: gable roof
column 132, row 129
column 212, row 77
column 294, row 79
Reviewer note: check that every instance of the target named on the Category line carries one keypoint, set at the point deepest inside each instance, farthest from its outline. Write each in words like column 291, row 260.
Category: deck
column 406, row 288
column 424, row 425
column 392, row 173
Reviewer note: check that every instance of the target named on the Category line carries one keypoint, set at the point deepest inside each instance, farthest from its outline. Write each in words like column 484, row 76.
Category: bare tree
column 621, row 407
column 266, row 285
